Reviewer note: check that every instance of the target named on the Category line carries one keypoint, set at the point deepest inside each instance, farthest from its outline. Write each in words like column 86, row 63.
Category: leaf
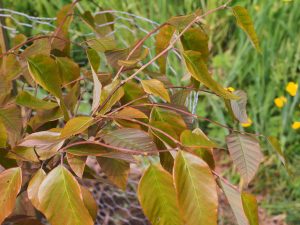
column 23, row 153
column 180, row 22
column 33, row 187
column 11, row 118
column 116, row 170
column 113, row 99
column 88, row 149
column 129, row 112
column 198, row 69
column 129, row 138
column 171, row 117
column 250, row 208
column 180, row 97
column 157, row 196
column 44, row 71
column 195, row 189
column 60, row 194
column 69, row 70
column 162, row 41
column 3, row 135
column 166, row 128
column 76, row 125
column 40, row 46
column 235, row 201
column 102, row 44
column 46, row 143
column 89, row 202
column 10, row 185
column 132, row 61
column 30, row 101
column 156, row 88
column 94, row 61
column 77, row 163
column 245, row 153
column 239, row 106
column 204, row 149
column 273, row 141
column 244, row 21
column 197, row 40
column 11, row 67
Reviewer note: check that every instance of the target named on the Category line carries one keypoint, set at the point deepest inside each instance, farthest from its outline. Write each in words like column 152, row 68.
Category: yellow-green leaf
column 180, row 22
column 195, row 189
column 33, row 187
column 10, row 185
column 156, row 88
column 198, row 69
column 102, row 44
column 61, row 199
column 132, row 61
column 244, row 20
column 275, row 144
column 157, row 196
column 44, row 71
column 129, row 112
column 200, row 145
column 162, row 40
column 76, row 125
column 250, row 208
column 30, row 101
column 69, row 70
column 3, row 135
column 89, row 202
column 77, row 163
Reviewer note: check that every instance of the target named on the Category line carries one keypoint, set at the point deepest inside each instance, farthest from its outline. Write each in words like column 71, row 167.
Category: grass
column 235, row 62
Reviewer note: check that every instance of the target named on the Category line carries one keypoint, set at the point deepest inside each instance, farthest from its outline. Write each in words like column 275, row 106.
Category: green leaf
column 129, row 112
column 162, row 41
column 3, row 135
column 198, row 69
column 239, row 106
column 197, row 40
column 77, row 163
column 30, row 101
column 89, row 202
column 23, row 153
column 180, row 22
column 245, row 153
column 132, row 61
column 166, row 128
column 102, row 44
column 60, row 194
column 129, row 138
column 114, row 98
column 116, row 170
column 157, row 196
column 235, row 201
column 11, row 67
column 204, row 149
column 156, row 88
column 172, row 118
column 180, row 97
column 40, row 46
column 69, row 70
column 10, row 185
column 250, row 208
column 44, row 71
column 244, row 21
column 195, row 189
column 33, row 187
column 11, row 118
column 88, row 149
column 276, row 146
column 76, row 125
column 94, row 61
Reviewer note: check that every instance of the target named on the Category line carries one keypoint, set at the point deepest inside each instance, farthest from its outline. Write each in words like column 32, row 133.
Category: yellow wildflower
column 231, row 89
column 257, row 7
column 291, row 88
column 280, row 101
column 296, row 125
column 248, row 124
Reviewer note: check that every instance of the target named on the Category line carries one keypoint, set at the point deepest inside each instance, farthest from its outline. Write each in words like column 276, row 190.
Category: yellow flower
column 257, row 7
column 248, row 124
column 296, row 125
column 280, row 101
column 231, row 89
column 291, row 88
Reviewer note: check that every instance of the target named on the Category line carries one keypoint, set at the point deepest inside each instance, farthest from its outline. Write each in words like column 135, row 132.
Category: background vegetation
column 264, row 77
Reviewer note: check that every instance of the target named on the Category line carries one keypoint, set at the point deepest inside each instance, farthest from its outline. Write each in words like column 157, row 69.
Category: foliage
column 134, row 112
